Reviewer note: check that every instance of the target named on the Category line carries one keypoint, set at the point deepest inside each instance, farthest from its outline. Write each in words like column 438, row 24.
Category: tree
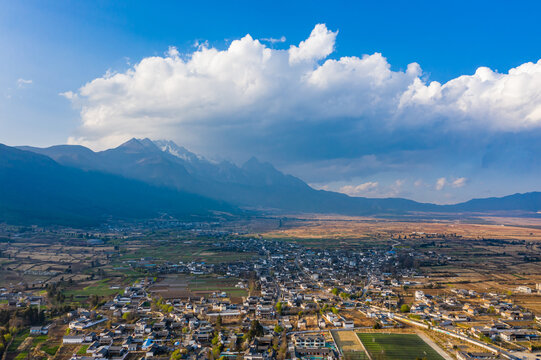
column 335, row 291
column 129, row 317
column 279, row 307
column 255, row 330
column 377, row 325
column 94, row 300
column 176, row 355
column 219, row 321
column 405, row 308
column 278, row 329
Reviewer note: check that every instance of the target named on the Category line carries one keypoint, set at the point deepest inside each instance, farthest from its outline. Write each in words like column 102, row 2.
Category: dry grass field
column 329, row 227
column 347, row 341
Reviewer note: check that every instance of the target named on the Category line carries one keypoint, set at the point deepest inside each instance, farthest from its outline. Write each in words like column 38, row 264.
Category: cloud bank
column 302, row 104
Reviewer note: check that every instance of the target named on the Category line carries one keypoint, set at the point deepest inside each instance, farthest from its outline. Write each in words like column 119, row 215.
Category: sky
column 432, row 101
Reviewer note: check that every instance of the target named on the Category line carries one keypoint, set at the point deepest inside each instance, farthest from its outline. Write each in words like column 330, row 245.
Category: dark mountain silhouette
column 34, row 188
column 254, row 185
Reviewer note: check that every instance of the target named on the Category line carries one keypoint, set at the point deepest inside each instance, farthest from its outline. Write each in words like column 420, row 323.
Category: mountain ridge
column 253, row 185
column 35, row 188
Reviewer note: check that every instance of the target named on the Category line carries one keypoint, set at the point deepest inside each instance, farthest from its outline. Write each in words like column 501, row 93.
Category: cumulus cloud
column 251, row 84
column 318, row 46
column 361, row 189
column 246, row 85
column 509, row 101
column 336, row 118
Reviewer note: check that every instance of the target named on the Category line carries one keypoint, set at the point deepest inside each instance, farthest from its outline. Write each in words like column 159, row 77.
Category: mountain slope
column 253, row 185
column 530, row 202
column 35, row 188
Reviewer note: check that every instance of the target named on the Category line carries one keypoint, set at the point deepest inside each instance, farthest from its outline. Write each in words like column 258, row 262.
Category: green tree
column 405, row 308
column 255, row 330
column 176, row 355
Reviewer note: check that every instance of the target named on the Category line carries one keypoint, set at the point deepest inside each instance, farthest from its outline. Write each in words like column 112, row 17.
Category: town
column 275, row 299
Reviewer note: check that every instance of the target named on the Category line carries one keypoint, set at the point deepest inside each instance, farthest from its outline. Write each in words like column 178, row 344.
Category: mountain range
column 143, row 178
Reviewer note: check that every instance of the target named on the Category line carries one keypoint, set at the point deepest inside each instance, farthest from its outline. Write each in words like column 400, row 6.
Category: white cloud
column 21, row 83
column 487, row 98
column 440, row 183
column 70, row 95
column 172, row 52
column 247, row 85
column 361, row 189
column 251, row 91
column 318, row 46
column 459, row 182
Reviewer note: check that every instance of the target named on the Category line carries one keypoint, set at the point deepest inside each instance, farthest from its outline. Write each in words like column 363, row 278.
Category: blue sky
column 50, row 48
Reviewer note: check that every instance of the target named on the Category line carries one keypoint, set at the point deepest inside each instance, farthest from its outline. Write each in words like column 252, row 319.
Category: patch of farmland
column 382, row 346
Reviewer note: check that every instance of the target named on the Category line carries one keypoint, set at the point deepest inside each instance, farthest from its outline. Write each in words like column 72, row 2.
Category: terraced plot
column 397, row 347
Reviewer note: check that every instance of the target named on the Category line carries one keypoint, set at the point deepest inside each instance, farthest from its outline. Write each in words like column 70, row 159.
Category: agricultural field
column 312, row 228
column 382, row 346
column 183, row 286
column 101, row 288
column 350, row 345
column 185, row 252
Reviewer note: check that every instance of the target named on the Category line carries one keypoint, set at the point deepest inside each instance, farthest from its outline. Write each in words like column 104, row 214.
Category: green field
column 18, row 340
column 100, row 288
column 185, row 252
column 397, row 347
column 355, row 355
column 204, row 283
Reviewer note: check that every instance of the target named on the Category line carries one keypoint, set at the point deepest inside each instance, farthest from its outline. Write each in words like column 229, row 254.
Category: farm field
column 351, row 229
column 179, row 251
column 100, row 288
column 397, row 347
column 349, row 344
column 180, row 285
